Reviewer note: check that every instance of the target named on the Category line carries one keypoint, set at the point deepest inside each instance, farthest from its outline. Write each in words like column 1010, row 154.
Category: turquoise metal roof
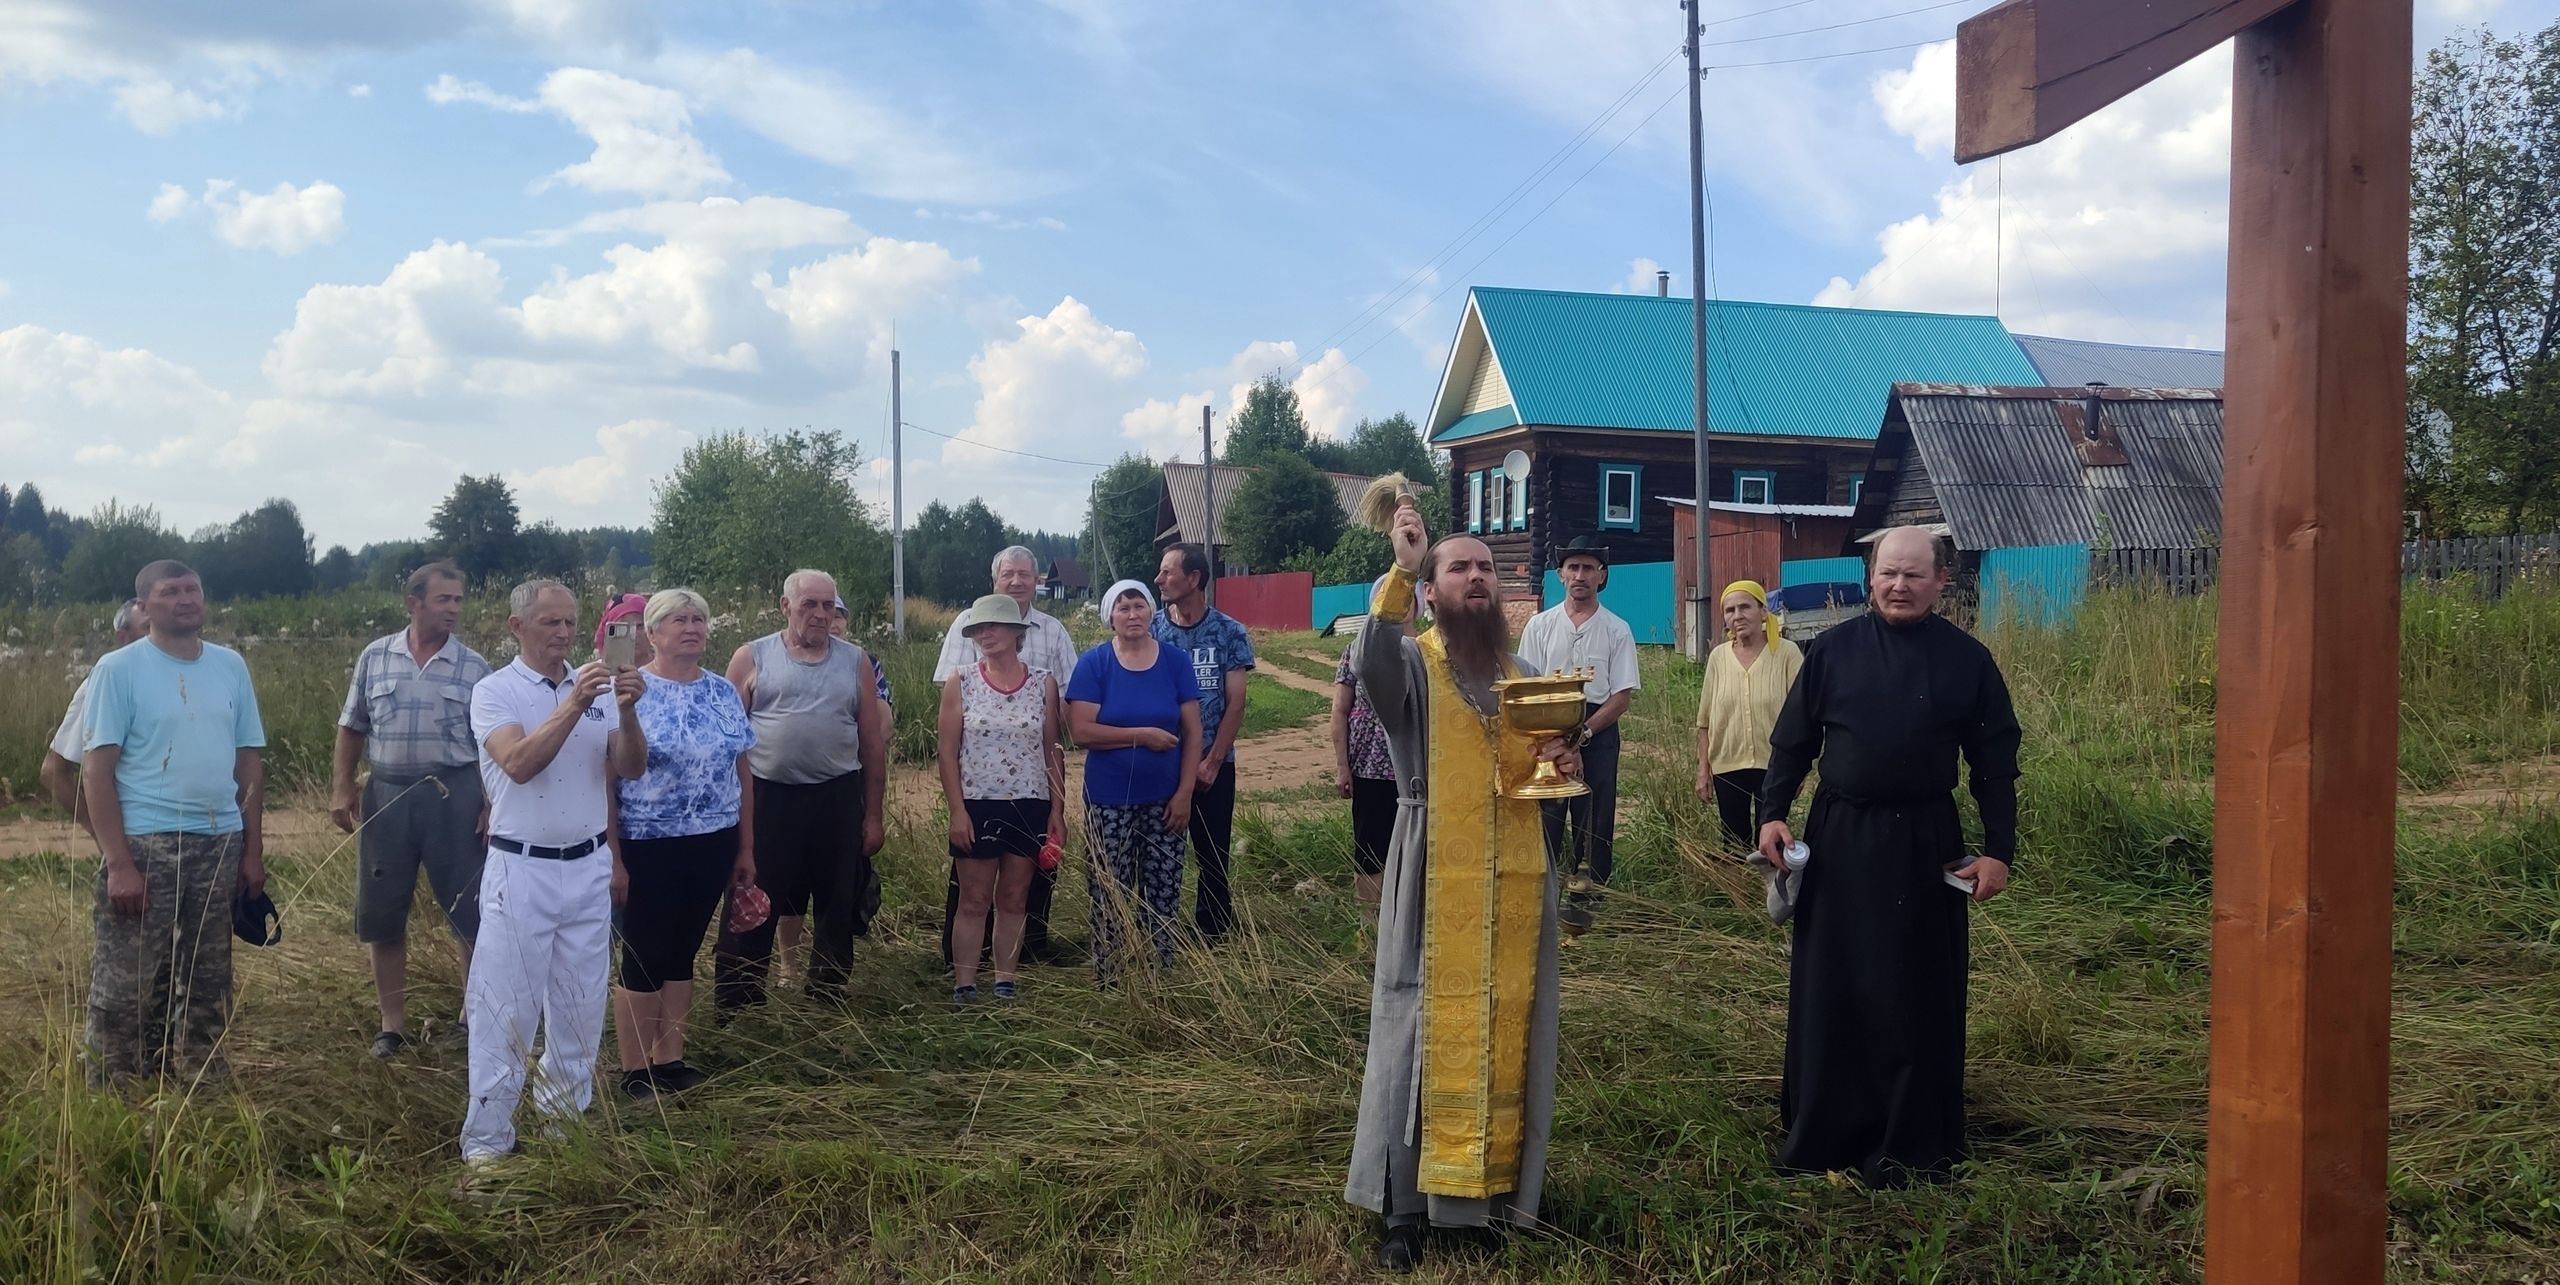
column 1777, row 370
column 1477, row 425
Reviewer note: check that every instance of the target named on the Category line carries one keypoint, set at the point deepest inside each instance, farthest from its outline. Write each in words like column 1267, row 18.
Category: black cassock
column 1876, row 987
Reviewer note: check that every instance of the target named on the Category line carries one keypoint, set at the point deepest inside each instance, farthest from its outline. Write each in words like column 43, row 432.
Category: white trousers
column 545, row 950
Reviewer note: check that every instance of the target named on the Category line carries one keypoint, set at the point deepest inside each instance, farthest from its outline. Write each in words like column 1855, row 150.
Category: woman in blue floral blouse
column 683, row 833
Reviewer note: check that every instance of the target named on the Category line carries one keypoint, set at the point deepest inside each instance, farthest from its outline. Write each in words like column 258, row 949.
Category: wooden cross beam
column 2306, row 736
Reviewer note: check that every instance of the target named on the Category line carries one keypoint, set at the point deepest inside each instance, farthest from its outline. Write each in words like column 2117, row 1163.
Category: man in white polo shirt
column 547, row 754
column 1579, row 633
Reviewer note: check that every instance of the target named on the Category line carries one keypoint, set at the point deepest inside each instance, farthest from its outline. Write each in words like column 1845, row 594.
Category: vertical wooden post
column 2307, row 733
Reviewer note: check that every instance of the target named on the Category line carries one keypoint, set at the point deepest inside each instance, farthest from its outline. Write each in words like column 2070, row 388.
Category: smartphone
column 1958, row 879
column 621, row 644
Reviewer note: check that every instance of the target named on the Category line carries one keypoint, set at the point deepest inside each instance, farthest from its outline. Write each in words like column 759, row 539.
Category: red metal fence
column 1276, row 601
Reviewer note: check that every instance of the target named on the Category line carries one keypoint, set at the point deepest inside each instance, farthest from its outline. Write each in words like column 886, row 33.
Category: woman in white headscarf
column 1135, row 707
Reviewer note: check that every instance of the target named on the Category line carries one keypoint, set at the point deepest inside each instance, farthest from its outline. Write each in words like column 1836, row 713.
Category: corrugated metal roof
column 2073, row 363
column 1477, row 425
column 1774, row 370
column 2008, row 475
column 1182, row 487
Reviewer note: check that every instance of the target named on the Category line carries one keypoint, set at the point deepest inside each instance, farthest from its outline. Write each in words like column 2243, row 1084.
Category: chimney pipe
column 1661, row 283
column 2089, row 428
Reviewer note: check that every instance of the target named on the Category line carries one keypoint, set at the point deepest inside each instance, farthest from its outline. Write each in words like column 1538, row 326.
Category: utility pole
column 1702, row 610
column 897, row 506
column 1209, row 503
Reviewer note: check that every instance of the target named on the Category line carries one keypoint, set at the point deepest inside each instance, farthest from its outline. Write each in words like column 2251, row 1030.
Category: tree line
column 2484, row 287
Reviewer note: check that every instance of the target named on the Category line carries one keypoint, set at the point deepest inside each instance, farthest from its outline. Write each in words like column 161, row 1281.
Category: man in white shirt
column 61, row 770
column 548, row 753
column 1046, row 645
column 1579, row 633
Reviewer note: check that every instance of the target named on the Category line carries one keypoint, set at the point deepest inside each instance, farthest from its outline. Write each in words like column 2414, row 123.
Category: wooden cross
column 2306, row 736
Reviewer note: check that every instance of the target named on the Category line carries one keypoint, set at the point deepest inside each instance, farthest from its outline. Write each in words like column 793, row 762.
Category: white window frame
column 1745, row 477
column 1475, row 501
column 1635, row 496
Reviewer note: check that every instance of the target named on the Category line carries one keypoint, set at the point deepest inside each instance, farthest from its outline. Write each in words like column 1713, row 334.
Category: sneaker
column 639, row 1086
column 675, row 1076
column 1004, row 991
column 388, row 1044
column 964, row 994
column 1400, row 1249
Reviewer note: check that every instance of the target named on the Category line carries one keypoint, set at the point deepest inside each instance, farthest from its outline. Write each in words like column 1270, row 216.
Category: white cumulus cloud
column 285, row 219
column 2113, row 229
column 627, row 456
column 156, row 106
column 1049, row 386
column 643, row 135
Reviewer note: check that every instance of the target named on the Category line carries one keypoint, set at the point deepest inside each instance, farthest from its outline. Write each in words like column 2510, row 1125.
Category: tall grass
column 1193, row 1125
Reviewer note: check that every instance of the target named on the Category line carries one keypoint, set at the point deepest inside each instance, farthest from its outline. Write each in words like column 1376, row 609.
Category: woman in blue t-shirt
column 1135, row 707
column 683, row 833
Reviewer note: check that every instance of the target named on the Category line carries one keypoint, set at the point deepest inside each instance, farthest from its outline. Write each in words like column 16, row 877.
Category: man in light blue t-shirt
column 176, row 789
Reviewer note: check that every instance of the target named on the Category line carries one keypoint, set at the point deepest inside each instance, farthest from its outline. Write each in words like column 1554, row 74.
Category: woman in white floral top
column 1004, row 776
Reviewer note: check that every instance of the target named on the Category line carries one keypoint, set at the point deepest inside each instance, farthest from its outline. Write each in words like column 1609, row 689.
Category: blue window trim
column 1635, row 497
column 1475, row 502
column 1768, row 476
column 1520, row 505
column 1857, row 488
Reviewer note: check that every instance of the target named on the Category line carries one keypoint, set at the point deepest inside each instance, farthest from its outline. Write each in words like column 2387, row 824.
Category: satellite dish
column 1515, row 466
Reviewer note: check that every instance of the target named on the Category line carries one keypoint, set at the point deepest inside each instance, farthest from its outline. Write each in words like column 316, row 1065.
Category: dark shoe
column 964, row 994
column 675, row 1076
column 639, row 1086
column 1400, row 1249
column 1005, row 991
column 388, row 1044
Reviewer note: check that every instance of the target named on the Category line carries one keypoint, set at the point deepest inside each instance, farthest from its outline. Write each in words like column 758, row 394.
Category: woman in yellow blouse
column 1747, row 680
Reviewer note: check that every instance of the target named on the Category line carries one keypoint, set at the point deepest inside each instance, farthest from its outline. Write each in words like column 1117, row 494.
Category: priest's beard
column 1475, row 635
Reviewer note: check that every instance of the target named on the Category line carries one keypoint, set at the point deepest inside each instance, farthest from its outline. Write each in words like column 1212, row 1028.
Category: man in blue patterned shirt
column 1221, row 654
column 408, row 715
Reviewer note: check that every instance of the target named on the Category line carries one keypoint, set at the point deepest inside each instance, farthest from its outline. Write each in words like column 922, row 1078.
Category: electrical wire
column 1837, row 26
column 1033, row 455
column 1845, row 53
column 1493, row 214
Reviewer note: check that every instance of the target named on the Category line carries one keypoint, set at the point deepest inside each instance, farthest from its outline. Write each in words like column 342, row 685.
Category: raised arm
column 523, row 754
column 1378, row 654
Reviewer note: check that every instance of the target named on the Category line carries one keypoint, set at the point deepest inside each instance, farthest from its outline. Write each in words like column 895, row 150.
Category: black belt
column 412, row 778
column 540, row 853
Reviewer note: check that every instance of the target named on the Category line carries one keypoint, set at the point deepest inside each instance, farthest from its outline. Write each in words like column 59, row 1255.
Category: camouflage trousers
column 160, row 981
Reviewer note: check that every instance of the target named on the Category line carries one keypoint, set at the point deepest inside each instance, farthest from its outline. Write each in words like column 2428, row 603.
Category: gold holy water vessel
column 1534, row 710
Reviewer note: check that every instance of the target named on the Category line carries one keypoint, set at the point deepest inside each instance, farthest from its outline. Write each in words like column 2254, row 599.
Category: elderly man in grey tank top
column 814, row 701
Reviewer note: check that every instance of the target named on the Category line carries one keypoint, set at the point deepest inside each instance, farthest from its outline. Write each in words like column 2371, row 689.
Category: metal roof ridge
column 1685, row 301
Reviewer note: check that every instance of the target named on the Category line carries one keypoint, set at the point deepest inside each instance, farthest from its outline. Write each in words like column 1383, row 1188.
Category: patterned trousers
column 160, row 981
column 1135, row 872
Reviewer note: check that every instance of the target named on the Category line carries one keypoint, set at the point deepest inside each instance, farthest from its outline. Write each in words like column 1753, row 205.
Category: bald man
column 1886, row 703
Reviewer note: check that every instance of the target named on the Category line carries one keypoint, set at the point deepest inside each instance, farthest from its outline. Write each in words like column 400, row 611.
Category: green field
column 1194, row 1127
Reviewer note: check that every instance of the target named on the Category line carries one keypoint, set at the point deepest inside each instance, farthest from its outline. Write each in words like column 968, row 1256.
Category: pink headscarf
column 626, row 607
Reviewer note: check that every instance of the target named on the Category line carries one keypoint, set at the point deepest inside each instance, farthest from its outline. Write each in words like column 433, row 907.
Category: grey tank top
column 804, row 713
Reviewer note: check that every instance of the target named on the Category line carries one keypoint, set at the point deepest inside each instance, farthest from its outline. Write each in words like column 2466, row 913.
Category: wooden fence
column 2492, row 563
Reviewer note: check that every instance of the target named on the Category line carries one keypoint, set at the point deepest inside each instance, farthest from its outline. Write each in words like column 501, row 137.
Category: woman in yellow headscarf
column 1747, row 680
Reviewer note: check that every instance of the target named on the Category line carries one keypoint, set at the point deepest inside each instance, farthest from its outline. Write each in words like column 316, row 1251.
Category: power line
column 1515, row 233
column 1493, row 214
column 1032, row 455
column 1845, row 53
column 1756, row 13
column 1854, row 22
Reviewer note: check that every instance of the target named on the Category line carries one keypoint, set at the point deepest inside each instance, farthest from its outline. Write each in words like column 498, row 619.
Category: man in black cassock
column 1876, row 986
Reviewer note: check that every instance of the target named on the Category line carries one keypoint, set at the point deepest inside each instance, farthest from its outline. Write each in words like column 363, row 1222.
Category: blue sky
column 343, row 253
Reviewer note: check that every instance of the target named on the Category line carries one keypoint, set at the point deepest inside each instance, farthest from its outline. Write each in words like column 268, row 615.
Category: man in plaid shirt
column 408, row 715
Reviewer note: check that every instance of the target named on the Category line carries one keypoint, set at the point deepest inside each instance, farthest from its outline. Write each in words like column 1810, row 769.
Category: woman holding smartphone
column 684, row 833
column 1135, row 707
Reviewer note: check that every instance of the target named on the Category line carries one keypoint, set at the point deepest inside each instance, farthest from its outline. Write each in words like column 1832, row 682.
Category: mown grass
column 1193, row 1127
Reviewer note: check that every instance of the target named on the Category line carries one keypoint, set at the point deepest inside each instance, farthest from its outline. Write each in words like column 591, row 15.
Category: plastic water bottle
column 1795, row 855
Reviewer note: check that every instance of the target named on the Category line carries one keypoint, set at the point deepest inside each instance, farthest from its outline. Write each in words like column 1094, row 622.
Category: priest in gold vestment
column 1459, row 1090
